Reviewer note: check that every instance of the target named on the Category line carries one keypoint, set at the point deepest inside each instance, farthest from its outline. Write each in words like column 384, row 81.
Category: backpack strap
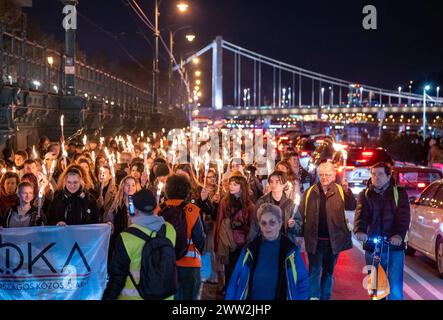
column 342, row 192
column 395, row 190
column 139, row 234
column 342, row 195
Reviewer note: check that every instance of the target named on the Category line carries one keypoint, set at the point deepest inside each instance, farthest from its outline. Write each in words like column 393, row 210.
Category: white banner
column 54, row 263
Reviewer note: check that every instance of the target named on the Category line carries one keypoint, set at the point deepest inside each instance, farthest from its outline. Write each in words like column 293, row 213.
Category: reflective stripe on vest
column 291, row 259
column 134, row 246
column 342, row 196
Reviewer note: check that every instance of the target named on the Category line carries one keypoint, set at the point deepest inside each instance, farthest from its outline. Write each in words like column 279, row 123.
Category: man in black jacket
column 325, row 228
column 383, row 211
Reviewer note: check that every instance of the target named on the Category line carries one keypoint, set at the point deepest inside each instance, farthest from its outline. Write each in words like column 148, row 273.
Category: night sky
column 323, row 36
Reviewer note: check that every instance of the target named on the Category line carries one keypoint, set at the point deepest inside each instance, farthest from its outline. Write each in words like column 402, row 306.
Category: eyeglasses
column 271, row 223
column 326, row 175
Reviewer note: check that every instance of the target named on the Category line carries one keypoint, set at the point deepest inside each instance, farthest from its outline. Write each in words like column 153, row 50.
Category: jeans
column 394, row 268
column 189, row 281
column 323, row 261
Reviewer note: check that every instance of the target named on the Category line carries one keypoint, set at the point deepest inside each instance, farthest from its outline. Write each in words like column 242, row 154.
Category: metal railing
column 32, row 66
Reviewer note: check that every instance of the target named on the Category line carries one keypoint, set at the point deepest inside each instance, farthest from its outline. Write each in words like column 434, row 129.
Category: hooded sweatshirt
column 151, row 221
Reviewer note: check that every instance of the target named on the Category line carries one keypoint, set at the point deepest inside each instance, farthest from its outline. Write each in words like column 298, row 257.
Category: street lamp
column 182, row 6
column 196, row 61
column 198, row 73
column 399, row 95
column 50, row 61
column 438, row 92
column 424, row 112
column 37, row 84
column 190, row 37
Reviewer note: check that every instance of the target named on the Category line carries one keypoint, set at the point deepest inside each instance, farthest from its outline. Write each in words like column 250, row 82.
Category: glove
column 363, row 237
column 396, row 240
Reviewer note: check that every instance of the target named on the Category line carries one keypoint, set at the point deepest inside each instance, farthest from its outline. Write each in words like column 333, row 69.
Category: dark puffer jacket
column 73, row 209
column 378, row 214
column 339, row 233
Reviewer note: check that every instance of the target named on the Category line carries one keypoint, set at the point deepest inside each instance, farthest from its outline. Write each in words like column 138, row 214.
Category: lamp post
column 438, row 92
column 410, row 91
column 182, row 7
column 70, row 34
column 190, row 37
column 155, row 71
column 424, row 112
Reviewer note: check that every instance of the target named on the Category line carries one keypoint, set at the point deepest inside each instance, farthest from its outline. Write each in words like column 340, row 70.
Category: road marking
column 424, row 283
column 410, row 292
column 407, row 289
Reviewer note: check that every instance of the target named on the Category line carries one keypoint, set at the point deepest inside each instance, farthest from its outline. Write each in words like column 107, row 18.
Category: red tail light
column 367, row 153
column 421, row 185
column 362, row 161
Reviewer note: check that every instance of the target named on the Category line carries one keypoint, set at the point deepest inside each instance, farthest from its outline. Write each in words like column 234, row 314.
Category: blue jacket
column 293, row 276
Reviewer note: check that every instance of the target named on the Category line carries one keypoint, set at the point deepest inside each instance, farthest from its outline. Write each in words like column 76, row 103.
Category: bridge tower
column 217, row 73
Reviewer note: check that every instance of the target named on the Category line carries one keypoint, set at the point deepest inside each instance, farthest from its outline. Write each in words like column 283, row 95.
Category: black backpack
column 177, row 217
column 158, row 273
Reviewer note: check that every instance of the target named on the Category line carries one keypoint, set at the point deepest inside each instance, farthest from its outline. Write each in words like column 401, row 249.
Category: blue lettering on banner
column 54, row 263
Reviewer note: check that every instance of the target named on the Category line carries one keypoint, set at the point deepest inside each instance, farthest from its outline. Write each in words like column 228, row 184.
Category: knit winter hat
column 144, row 200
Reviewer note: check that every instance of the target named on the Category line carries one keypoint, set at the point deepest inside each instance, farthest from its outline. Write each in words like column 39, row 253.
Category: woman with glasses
column 270, row 267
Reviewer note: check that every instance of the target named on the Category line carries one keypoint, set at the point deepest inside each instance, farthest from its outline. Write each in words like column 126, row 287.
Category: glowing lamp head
column 182, row 7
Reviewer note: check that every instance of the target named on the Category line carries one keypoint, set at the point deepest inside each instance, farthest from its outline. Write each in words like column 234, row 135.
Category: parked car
column 426, row 229
column 415, row 179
